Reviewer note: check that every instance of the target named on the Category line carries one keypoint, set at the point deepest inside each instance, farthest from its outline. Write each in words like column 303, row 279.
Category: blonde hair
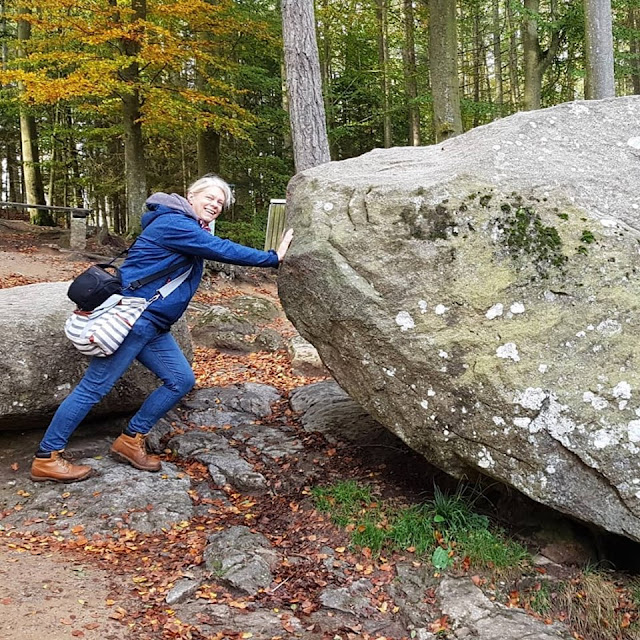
column 212, row 180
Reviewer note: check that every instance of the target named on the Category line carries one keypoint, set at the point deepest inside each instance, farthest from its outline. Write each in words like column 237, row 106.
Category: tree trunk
column 497, row 55
column 208, row 151
column 306, row 107
column 443, row 52
column 531, row 49
column 536, row 61
column 134, row 161
column 600, row 81
column 514, row 84
column 383, row 65
column 73, row 164
column 134, row 153
column 634, row 48
column 411, row 74
column 477, row 61
column 33, row 187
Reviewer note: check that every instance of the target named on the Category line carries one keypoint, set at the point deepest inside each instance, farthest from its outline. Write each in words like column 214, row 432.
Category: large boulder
column 39, row 366
column 480, row 299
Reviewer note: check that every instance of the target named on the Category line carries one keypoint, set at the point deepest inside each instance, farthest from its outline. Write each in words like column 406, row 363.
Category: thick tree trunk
column 134, row 161
column 411, row 74
column 443, row 51
column 383, row 65
column 536, row 61
column 531, row 52
column 33, row 187
column 306, row 106
column 600, row 81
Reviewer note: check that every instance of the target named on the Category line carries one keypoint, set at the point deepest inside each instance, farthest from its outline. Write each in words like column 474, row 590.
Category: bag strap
column 123, row 252
column 136, row 284
column 170, row 287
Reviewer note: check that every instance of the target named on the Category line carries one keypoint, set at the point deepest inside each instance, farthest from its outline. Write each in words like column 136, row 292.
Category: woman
column 174, row 228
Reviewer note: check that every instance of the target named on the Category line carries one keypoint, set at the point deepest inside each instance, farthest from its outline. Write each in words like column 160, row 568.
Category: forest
column 103, row 103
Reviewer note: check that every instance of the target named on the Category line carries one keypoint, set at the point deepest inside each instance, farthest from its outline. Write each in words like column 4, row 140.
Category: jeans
column 155, row 349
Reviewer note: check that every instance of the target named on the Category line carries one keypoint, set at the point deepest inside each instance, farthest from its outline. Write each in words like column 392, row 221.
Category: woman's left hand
column 284, row 244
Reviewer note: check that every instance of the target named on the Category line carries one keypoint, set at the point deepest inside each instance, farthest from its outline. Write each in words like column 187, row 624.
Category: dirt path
column 44, row 597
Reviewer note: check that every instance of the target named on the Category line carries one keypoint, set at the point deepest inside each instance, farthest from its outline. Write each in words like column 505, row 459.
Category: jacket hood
column 161, row 203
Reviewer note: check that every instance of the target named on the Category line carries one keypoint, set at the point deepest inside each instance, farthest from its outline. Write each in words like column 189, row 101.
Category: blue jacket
column 171, row 232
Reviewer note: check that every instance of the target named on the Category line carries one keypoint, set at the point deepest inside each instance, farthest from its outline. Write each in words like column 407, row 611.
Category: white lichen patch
column 609, row 327
column 543, row 368
column 328, row 206
column 550, row 469
column 516, row 308
column 581, row 334
column 495, row 311
column 622, row 405
column 531, row 398
column 622, row 390
column 498, row 420
column 431, row 393
column 633, row 431
column 422, row 305
column 390, row 371
column 424, row 404
column 604, row 438
column 508, row 350
column 523, row 422
column 405, row 321
column 594, row 400
column 440, row 310
column 552, row 420
column 485, row 460
column 634, row 142
column 443, row 354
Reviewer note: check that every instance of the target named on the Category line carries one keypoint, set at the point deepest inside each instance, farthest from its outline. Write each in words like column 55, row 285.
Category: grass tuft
column 444, row 530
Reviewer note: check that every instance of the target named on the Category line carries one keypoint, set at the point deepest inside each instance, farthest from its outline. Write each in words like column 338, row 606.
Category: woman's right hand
column 284, row 244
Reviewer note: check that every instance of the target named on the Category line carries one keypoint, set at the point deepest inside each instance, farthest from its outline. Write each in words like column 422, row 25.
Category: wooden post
column 275, row 224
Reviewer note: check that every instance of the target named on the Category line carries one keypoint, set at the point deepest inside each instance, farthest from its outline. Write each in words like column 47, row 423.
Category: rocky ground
column 225, row 541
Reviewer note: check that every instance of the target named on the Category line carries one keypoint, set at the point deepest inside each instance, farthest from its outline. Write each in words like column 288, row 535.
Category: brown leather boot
column 58, row 469
column 132, row 449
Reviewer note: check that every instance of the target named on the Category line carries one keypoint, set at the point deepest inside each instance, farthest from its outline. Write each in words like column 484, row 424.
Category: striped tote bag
column 102, row 331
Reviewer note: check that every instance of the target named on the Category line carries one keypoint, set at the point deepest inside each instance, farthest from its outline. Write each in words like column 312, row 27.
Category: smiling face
column 208, row 203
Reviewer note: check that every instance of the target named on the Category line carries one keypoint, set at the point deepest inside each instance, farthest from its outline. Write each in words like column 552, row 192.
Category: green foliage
column 245, row 233
column 445, row 529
